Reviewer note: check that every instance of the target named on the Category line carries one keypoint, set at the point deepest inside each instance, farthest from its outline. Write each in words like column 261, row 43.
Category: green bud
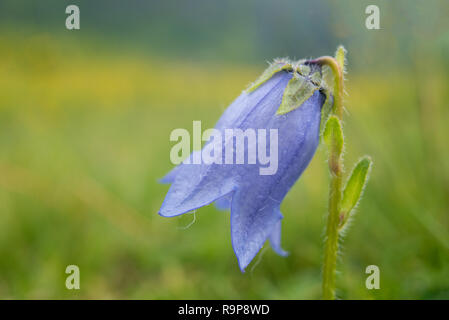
column 333, row 135
column 354, row 188
column 340, row 57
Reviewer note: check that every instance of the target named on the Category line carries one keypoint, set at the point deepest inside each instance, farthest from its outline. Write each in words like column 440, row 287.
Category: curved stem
column 333, row 64
column 335, row 167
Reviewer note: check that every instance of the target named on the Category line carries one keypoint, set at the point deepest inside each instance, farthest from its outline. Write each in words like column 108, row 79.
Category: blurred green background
column 85, row 118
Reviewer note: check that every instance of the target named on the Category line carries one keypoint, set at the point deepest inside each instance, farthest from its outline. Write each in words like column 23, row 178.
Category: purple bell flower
column 287, row 99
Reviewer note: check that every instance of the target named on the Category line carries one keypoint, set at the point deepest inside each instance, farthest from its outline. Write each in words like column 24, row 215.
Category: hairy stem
column 335, row 162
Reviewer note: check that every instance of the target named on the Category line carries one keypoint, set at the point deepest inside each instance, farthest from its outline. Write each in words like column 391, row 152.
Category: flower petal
column 275, row 240
column 171, row 176
column 245, row 103
column 196, row 185
column 251, row 225
column 255, row 205
column 224, row 203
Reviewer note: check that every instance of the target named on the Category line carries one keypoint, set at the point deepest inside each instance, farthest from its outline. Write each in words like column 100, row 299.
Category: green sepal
column 316, row 78
column 326, row 110
column 333, row 135
column 277, row 66
column 298, row 90
column 354, row 188
column 303, row 69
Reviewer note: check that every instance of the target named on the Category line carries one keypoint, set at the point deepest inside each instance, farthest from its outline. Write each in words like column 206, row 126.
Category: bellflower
column 287, row 98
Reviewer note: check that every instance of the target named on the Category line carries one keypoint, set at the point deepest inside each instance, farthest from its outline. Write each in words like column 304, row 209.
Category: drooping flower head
column 285, row 103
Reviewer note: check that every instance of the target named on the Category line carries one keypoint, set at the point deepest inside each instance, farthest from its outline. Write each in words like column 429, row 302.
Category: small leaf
column 276, row 66
column 298, row 90
column 333, row 135
column 354, row 188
